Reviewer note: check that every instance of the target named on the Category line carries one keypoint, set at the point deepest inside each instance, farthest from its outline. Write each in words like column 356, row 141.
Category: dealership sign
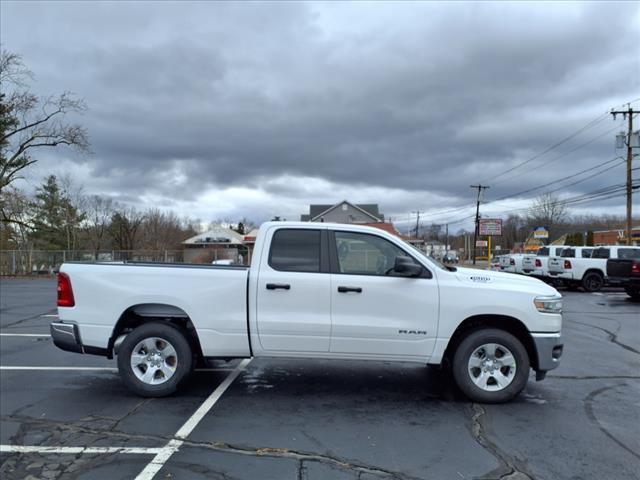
column 491, row 226
column 540, row 232
column 482, row 243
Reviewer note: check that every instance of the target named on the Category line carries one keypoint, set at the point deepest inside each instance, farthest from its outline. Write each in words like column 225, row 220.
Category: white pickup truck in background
column 328, row 291
column 512, row 263
column 538, row 265
column 591, row 273
column 557, row 265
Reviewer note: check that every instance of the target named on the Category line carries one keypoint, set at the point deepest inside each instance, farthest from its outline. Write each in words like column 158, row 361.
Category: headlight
column 548, row 304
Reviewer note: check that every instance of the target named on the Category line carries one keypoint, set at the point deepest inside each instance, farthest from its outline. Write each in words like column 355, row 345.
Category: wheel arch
column 502, row 322
column 142, row 313
column 594, row 270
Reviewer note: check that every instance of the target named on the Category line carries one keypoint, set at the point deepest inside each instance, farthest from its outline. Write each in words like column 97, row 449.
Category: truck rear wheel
column 154, row 359
column 491, row 366
column 592, row 281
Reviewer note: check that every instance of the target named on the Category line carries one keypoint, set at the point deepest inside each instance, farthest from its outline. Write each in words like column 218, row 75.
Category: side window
column 363, row 254
column 600, row 253
column 629, row 253
column 586, row 253
column 568, row 253
column 295, row 250
column 543, row 252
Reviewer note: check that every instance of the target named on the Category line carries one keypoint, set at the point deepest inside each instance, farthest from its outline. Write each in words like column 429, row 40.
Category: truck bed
column 212, row 297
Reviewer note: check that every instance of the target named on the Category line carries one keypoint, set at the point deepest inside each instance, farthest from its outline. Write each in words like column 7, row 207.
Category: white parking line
column 42, row 335
column 50, row 315
column 174, row 445
column 97, row 369
column 76, row 450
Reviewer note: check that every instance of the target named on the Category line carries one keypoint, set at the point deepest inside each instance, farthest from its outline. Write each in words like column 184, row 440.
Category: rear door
column 373, row 312
column 293, row 291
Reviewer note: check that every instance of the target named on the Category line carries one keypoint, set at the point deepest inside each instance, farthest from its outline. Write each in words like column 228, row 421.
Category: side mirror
column 407, row 267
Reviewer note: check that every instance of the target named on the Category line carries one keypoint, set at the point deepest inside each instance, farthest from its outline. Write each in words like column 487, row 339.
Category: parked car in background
column 557, row 265
column 495, row 263
column 450, row 258
column 591, row 273
column 538, row 265
column 624, row 271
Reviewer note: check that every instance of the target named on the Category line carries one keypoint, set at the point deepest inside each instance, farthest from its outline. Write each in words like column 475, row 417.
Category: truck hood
column 503, row 279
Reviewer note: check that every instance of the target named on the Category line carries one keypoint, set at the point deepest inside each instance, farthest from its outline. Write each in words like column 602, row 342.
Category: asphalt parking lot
column 68, row 416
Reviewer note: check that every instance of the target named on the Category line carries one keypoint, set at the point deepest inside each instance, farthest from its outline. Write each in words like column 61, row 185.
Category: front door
column 293, row 291
column 374, row 311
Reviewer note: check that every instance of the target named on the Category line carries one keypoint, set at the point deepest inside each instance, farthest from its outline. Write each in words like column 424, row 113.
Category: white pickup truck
column 591, row 273
column 538, row 266
column 313, row 291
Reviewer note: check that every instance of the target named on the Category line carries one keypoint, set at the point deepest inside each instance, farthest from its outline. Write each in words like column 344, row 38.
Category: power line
column 589, row 125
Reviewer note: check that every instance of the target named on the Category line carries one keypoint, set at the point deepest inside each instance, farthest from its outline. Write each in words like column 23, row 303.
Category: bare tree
column 98, row 212
column 29, row 122
column 548, row 211
column 125, row 228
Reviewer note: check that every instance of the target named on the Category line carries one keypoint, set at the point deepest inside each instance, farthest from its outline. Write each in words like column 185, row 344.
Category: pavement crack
column 613, row 336
column 223, row 447
column 588, row 408
column 510, row 467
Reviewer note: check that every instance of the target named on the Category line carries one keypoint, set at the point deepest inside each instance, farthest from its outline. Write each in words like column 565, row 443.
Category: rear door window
column 568, row 253
column 295, row 250
column 543, row 252
column 586, row 253
column 600, row 253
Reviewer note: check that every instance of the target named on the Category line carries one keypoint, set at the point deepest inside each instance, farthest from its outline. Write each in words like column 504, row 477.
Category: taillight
column 635, row 267
column 538, row 263
column 567, row 264
column 65, row 292
column 512, row 262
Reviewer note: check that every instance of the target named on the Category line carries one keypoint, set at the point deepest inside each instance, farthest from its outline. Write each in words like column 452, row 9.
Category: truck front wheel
column 154, row 359
column 491, row 366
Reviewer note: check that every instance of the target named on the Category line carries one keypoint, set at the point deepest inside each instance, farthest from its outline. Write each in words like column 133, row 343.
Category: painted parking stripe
column 96, row 369
column 76, row 450
column 174, row 445
column 50, row 315
column 41, row 335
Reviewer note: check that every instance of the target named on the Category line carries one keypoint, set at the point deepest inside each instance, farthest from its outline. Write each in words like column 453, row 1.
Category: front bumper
column 66, row 337
column 549, row 347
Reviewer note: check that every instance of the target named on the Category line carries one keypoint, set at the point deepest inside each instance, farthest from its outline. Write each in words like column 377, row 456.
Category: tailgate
column 619, row 268
column 528, row 263
column 556, row 264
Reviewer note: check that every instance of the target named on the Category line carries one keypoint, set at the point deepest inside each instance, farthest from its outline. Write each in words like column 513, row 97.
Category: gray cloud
column 189, row 98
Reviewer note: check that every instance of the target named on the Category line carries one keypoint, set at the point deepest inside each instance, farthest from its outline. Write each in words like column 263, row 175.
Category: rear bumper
column 624, row 281
column 549, row 348
column 66, row 336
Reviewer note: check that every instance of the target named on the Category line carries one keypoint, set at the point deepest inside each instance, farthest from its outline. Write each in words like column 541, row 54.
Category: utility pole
column 418, row 212
column 480, row 188
column 628, row 114
column 446, row 239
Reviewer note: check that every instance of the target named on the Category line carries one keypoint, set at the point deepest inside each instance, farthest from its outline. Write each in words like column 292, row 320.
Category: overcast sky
column 258, row 109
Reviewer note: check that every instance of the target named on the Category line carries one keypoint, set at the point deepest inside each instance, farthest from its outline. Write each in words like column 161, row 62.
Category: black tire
column 592, row 281
column 633, row 292
column 463, row 353
column 183, row 354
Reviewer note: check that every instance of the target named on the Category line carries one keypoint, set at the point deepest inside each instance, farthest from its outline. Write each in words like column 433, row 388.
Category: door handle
column 276, row 286
column 350, row 289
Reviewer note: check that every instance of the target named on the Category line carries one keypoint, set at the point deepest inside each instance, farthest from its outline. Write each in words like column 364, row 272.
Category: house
column 217, row 243
column 344, row 212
